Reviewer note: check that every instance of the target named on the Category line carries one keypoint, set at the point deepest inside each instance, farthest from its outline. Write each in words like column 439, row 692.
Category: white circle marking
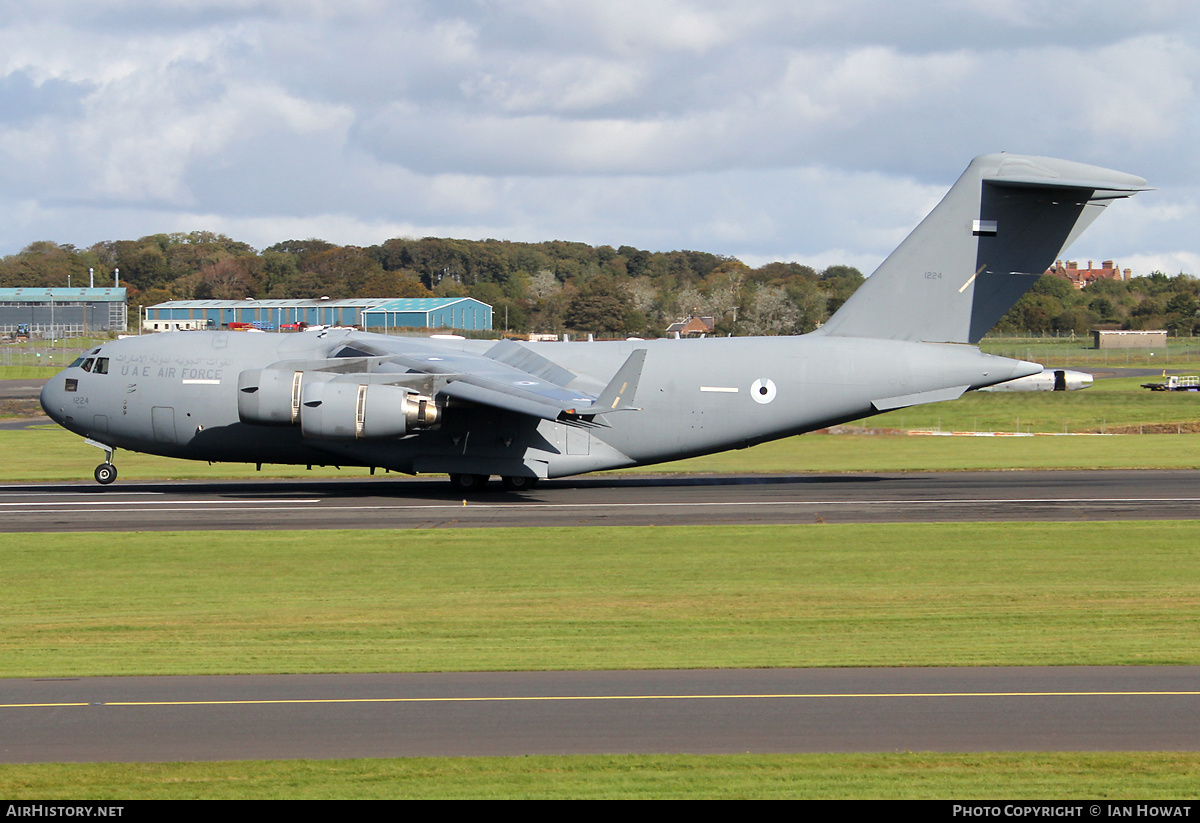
column 763, row 390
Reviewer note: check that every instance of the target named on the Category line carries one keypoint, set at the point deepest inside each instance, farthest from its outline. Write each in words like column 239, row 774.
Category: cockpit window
column 95, row 365
column 78, row 362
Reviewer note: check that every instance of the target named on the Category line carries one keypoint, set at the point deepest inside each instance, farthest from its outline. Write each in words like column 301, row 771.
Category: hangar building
column 374, row 314
column 62, row 312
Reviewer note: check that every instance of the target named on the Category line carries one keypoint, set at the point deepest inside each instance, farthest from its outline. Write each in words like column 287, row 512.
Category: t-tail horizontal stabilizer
column 1005, row 221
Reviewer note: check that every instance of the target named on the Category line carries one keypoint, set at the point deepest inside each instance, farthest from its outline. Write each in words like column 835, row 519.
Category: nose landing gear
column 106, row 472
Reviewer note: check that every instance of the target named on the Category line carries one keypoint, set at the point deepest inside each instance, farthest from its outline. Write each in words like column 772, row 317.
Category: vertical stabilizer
column 997, row 230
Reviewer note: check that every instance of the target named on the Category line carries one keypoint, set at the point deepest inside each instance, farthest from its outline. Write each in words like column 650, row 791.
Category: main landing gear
column 469, row 483
column 518, row 484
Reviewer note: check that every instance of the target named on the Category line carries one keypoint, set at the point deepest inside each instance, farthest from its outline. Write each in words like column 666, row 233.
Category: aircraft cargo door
column 163, row 419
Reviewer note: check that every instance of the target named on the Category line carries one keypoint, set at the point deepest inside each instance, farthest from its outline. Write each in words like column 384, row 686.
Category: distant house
column 1079, row 278
column 692, row 327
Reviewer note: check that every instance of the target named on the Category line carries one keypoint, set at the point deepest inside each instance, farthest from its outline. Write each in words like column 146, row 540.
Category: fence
column 1078, row 352
column 51, row 353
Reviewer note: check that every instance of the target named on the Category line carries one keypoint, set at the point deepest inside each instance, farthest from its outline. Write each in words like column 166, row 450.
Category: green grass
column 1063, row 352
column 48, row 453
column 1111, row 403
column 899, row 453
column 43, row 357
column 28, row 372
column 908, row 775
column 615, row 598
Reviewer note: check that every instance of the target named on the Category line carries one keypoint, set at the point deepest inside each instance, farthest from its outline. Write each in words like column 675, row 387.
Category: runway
column 614, row 500
column 521, row 713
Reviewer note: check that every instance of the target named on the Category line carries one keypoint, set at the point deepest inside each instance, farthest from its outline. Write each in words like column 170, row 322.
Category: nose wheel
column 106, row 472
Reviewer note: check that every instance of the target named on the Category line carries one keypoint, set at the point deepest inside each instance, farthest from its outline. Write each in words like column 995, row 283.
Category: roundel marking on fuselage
column 763, row 390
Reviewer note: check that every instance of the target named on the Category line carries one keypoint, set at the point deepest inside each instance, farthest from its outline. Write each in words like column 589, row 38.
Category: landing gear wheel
column 518, row 484
column 105, row 473
column 468, row 482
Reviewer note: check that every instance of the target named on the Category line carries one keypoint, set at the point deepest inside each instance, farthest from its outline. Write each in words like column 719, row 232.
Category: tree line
column 557, row 286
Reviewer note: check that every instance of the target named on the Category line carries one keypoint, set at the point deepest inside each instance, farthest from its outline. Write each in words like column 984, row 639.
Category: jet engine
column 269, row 397
column 361, row 411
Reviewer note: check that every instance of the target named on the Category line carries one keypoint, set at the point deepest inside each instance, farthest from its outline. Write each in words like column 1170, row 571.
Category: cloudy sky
column 812, row 130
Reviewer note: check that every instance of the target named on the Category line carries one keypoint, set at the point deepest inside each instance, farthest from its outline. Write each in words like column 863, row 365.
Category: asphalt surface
column 21, row 389
column 521, row 713
column 385, row 503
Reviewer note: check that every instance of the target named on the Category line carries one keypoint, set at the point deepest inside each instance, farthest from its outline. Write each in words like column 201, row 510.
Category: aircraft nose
column 53, row 398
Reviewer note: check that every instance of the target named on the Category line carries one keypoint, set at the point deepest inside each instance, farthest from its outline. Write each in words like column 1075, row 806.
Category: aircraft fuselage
column 176, row 394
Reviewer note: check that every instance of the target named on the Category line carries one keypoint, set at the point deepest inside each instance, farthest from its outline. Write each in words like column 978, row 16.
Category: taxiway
column 1141, row 708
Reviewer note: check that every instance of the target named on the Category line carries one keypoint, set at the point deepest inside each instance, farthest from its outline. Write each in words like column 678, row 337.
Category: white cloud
column 1170, row 263
column 776, row 129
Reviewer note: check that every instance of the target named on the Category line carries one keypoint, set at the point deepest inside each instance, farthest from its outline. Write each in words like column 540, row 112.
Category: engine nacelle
column 1049, row 380
column 269, row 397
column 362, row 411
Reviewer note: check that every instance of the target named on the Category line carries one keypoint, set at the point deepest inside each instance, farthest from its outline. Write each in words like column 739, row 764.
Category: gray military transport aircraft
column 474, row 409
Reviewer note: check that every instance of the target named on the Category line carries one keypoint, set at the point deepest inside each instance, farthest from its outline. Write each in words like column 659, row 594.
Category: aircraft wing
column 531, row 390
column 483, row 380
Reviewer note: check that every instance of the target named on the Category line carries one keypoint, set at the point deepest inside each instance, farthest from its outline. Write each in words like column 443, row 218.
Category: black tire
column 105, row 473
column 518, row 484
column 468, row 482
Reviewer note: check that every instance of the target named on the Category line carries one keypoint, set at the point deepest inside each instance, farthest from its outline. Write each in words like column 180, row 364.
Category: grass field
column 907, row 775
column 1064, row 352
column 1112, row 404
column 44, row 357
column 27, row 372
column 618, row 598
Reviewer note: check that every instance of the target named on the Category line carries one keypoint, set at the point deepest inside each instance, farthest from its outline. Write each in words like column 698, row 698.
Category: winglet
column 618, row 394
